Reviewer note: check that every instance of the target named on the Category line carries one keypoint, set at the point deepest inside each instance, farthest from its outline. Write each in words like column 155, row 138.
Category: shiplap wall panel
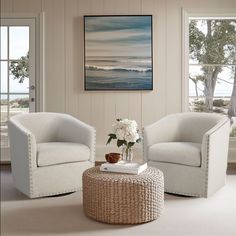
column 84, row 97
column 97, row 117
column 210, row 4
column 72, row 57
column 159, row 43
column 6, row 6
column 173, row 53
column 54, row 55
column 109, row 114
column 32, row 6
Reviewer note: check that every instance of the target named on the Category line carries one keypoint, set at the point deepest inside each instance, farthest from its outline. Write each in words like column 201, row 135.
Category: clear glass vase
column 127, row 154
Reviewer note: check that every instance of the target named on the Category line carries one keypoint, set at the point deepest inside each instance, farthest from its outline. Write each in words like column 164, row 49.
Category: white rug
column 215, row 216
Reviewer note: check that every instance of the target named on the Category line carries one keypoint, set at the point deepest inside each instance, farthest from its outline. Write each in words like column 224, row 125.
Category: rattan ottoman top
column 123, row 198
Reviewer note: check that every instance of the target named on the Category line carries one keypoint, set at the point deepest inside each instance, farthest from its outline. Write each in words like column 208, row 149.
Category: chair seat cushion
column 184, row 153
column 54, row 153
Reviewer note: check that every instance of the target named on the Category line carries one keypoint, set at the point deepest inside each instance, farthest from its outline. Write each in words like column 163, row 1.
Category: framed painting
column 118, row 52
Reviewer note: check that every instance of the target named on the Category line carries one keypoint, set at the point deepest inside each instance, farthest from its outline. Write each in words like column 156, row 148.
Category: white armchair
column 191, row 149
column 49, row 152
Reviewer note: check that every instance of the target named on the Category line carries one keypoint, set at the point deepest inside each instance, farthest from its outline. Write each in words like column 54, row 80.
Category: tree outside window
column 212, row 66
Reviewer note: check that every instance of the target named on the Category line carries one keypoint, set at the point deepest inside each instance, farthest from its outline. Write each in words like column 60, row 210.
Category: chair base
column 62, row 194
column 56, row 180
column 181, row 179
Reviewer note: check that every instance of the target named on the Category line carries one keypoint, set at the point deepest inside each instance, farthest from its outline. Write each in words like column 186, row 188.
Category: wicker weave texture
column 122, row 198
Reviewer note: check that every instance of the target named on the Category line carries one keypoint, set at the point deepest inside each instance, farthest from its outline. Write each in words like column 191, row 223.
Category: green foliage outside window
column 215, row 47
column 20, row 69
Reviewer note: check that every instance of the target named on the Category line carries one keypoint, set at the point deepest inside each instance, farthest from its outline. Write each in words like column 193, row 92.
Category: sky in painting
column 118, row 36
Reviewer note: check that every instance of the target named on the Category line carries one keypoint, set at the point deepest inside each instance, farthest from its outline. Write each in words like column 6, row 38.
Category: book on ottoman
column 124, row 167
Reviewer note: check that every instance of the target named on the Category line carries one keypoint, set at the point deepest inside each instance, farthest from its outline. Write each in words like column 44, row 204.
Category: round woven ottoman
column 118, row 198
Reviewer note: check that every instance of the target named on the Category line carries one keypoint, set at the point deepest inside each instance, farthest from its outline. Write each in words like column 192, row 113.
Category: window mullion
column 8, row 74
column 212, row 64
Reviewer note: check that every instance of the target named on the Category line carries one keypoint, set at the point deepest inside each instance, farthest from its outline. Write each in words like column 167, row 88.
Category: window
column 18, row 73
column 14, row 90
column 212, row 59
column 209, row 64
column 212, row 65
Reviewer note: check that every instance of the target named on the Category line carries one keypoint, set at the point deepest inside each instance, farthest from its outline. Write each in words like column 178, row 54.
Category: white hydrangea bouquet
column 126, row 133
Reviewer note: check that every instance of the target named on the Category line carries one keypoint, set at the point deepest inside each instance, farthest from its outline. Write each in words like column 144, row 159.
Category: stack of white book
column 124, row 167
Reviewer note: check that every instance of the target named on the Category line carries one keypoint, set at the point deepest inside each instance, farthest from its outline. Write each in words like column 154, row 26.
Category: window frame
column 37, row 55
column 200, row 13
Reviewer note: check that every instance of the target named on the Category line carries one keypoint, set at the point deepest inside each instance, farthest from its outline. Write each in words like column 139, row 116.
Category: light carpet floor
column 215, row 216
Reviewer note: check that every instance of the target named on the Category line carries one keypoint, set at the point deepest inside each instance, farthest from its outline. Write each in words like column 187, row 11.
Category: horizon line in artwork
column 118, row 52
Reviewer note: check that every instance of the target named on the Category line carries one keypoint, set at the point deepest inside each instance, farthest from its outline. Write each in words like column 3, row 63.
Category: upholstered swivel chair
column 191, row 149
column 49, row 152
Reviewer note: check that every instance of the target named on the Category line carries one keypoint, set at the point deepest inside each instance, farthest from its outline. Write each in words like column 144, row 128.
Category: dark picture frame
column 118, row 52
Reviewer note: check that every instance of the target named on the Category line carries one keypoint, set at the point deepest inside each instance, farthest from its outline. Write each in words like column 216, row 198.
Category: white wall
column 64, row 59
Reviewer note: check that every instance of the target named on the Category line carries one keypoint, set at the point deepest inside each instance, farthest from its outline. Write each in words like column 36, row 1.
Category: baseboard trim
column 232, row 150
column 5, row 155
column 232, row 155
column 5, row 162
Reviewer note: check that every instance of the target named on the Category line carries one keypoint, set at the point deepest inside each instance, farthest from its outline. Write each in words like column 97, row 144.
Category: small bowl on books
column 112, row 157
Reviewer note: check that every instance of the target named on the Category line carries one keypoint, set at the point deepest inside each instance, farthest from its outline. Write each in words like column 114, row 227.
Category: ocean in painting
column 121, row 72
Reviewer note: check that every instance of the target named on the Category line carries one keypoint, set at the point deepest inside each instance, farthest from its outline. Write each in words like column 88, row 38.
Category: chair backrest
column 192, row 125
column 44, row 125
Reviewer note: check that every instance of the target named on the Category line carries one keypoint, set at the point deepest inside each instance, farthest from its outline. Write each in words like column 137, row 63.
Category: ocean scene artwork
column 118, row 52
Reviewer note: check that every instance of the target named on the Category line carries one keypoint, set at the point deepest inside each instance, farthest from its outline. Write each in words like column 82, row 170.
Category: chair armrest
column 22, row 145
column 23, row 156
column 215, row 145
column 76, row 131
